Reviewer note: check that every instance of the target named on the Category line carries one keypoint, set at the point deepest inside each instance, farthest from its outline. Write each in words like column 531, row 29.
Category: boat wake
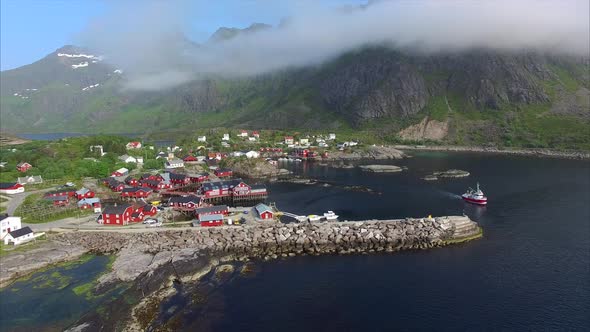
column 450, row 195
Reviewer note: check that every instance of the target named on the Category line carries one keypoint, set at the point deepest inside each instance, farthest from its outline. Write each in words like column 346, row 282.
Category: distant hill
column 476, row 97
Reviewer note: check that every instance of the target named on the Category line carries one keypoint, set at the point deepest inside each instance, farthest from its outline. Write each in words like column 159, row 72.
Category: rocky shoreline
column 370, row 152
column 381, row 168
column 508, row 151
column 449, row 174
column 153, row 261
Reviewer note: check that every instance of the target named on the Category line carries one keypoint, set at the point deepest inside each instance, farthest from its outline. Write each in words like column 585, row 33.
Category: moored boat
column 475, row 196
column 330, row 216
column 313, row 217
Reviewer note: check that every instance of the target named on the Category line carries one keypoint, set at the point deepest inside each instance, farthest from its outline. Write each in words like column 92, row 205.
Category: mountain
column 476, row 97
column 224, row 33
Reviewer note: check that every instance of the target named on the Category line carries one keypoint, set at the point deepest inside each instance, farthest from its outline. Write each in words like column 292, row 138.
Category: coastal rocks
column 452, row 173
column 370, row 152
column 20, row 264
column 381, row 168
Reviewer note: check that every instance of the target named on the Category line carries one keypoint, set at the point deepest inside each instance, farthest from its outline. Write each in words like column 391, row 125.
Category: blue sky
column 31, row 29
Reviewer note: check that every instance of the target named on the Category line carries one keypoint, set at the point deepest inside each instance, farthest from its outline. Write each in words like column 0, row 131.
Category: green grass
column 565, row 78
column 437, row 109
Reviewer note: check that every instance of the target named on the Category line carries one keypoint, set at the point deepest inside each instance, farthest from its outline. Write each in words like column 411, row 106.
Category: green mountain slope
column 477, row 97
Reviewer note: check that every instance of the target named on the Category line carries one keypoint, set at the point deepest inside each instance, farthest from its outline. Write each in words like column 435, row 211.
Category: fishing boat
column 330, row 216
column 313, row 218
column 475, row 196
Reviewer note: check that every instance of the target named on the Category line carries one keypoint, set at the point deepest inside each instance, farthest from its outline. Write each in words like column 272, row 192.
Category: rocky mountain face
column 74, row 90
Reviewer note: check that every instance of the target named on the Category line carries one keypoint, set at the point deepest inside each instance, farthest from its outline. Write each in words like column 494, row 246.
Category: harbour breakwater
column 266, row 240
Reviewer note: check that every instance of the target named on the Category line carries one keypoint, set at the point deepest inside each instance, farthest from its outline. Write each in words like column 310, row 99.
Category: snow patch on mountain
column 83, row 64
column 90, row 87
column 118, row 71
column 81, row 55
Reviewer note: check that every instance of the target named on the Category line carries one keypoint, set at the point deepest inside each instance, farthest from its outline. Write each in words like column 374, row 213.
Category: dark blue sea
column 531, row 270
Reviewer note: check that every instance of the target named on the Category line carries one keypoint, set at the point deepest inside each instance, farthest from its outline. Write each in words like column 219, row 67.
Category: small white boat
column 313, row 218
column 298, row 160
column 330, row 216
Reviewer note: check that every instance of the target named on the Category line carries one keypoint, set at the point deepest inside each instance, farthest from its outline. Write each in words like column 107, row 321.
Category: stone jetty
column 269, row 239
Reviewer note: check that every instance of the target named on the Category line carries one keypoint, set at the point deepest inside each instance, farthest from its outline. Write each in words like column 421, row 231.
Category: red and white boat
column 475, row 196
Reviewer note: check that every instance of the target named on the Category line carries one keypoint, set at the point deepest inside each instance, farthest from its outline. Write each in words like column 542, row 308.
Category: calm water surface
column 529, row 272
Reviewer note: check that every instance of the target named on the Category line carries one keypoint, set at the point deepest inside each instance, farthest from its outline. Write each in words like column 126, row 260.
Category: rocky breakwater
column 274, row 239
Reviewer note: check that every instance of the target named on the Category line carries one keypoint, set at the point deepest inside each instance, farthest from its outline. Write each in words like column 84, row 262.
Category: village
column 182, row 186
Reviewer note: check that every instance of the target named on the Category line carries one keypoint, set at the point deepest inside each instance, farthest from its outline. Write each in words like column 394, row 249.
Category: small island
column 381, row 168
column 449, row 174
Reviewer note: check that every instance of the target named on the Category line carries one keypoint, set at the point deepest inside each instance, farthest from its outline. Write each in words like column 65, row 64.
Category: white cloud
column 140, row 43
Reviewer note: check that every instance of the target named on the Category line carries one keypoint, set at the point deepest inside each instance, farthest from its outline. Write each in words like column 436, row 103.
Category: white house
column 174, row 163
column 243, row 133
column 225, row 137
column 252, row 154
column 19, row 236
column 252, row 139
column 289, row 140
column 98, row 148
column 8, row 224
column 322, row 144
column 304, row 141
column 34, row 179
column 225, row 144
column 331, row 136
column 202, row 139
column 130, row 159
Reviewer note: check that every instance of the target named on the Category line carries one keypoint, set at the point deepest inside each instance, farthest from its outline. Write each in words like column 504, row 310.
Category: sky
column 31, row 29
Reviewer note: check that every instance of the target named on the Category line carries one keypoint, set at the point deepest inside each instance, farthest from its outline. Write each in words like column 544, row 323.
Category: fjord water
column 530, row 271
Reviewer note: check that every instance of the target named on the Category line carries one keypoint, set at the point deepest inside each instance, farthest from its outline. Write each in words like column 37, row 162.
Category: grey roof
column 210, row 209
column 3, row 216
column 136, row 189
column 116, row 209
column 185, row 199
column 261, row 208
column 6, row 185
column 88, row 201
column 21, row 232
column 82, row 191
column 56, row 198
column 211, row 217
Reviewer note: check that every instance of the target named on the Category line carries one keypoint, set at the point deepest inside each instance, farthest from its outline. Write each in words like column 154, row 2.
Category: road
column 17, row 199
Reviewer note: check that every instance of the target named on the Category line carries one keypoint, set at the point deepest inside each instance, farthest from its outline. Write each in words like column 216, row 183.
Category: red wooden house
column 136, row 192
column 148, row 209
column 23, row 166
column 61, row 193
column 264, row 211
column 218, row 209
column 199, row 177
column 115, row 185
column 179, row 179
column 156, row 184
column 239, row 188
column 11, row 188
column 223, row 172
column 90, row 203
column 118, row 214
column 211, row 220
column 84, row 193
column 185, row 202
column 58, row 200
column 131, row 181
column 190, row 159
column 152, row 177
column 256, row 134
